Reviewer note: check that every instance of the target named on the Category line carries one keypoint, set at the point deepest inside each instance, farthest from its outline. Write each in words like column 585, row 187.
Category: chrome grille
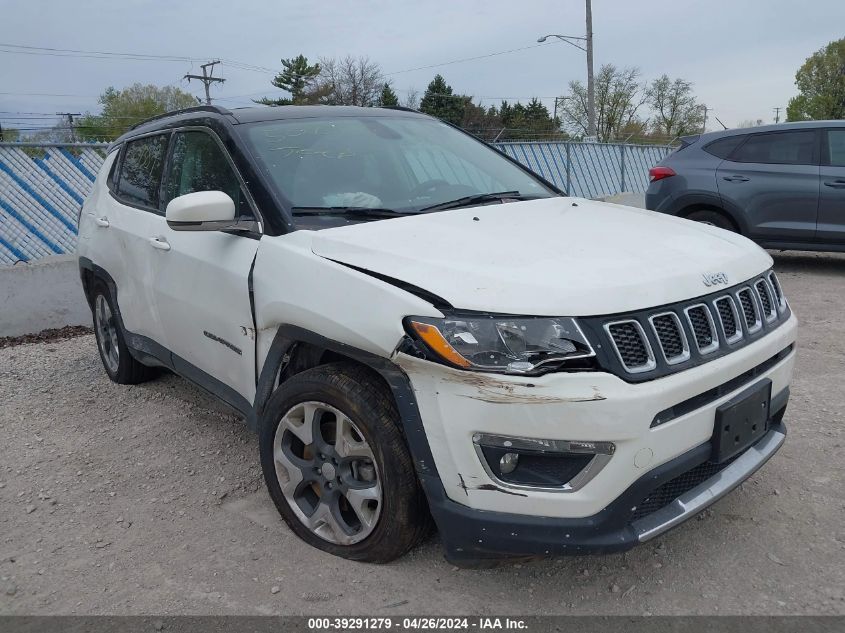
column 703, row 328
column 631, row 345
column 670, row 335
column 665, row 340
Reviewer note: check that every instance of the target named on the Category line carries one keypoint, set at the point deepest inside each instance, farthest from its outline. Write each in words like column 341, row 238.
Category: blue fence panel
column 588, row 170
column 42, row 186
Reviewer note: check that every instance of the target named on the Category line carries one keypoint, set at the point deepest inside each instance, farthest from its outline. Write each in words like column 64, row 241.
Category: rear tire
column 713, row 218
column 119, row 364
column 337, row 466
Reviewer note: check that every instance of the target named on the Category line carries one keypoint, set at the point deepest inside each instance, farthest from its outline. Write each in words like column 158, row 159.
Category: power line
column 777, row 114
column 45, row 94
column 467, row 59
column 72, row 52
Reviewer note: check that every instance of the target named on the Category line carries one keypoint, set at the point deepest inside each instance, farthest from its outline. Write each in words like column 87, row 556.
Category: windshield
column 402, row 164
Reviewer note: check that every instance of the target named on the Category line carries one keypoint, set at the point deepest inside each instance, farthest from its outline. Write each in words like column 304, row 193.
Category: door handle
column 839, row 183
column 735, row 178
column 104, row 222
column 160, row 243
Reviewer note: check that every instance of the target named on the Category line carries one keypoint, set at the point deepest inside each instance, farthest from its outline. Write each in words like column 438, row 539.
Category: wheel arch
column 295, row 349
column 692, row 207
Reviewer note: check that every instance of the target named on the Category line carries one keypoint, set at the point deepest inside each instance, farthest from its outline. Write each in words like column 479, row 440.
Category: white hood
column 557, row 256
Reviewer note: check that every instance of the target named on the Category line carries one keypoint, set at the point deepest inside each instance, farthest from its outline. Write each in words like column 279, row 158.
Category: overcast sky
column 740, row 54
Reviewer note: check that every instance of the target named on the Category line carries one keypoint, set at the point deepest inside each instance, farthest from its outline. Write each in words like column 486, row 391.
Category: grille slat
column 631, row 345
column 726, row 315
column 702, row 327
column 776, row 287
column 749, row 309
column 765, row 299
column 671, row 337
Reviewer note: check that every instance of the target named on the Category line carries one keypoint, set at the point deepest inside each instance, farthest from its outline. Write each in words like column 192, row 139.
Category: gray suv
column 783, row 186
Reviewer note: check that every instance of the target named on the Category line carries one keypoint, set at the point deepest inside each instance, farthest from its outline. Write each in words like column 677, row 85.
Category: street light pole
column 591, row 88
column 587, row 48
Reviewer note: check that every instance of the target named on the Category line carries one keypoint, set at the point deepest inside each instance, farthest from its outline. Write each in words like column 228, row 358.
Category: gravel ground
column 149, row 500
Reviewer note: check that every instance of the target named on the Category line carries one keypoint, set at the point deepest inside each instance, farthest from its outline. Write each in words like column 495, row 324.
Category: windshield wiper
column 369, row 212
column 479, row 198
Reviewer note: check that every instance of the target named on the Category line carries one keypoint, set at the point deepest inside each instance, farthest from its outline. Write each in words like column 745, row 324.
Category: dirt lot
column 149, row 499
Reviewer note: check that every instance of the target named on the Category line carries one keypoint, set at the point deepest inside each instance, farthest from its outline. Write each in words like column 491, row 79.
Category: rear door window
column 834, row 154
column 779, row 148
column 198, row 163
column 140, row 171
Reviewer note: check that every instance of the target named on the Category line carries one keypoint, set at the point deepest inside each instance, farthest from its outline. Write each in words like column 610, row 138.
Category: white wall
column 40, row 295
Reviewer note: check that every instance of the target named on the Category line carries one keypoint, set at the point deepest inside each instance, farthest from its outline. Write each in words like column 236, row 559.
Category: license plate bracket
column 741, row 421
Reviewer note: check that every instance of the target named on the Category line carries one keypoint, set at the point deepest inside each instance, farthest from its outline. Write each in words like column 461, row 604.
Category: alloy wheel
column 327, row 473
column 104, row 321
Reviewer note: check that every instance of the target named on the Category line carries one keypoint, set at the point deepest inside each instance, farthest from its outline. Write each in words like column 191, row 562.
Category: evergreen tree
column 388, row 98
column 296, row 77
column 439, row 101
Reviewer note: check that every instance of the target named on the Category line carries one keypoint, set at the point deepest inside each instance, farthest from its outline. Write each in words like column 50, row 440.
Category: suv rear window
column 140, row 171
column 778, row 148
column 723, row 147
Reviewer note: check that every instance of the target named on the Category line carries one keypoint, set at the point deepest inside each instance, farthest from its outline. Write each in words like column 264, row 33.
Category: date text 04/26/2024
column 416, row 623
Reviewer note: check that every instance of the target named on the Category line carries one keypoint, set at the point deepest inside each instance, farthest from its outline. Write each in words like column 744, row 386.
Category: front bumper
column 471, row 537
column 479, row 516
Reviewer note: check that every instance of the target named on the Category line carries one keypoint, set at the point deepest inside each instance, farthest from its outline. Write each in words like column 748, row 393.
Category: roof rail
column 199, row 108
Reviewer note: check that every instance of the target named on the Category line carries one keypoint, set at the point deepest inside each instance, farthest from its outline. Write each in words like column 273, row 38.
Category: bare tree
column 619, row 96
column 349, row 81
column 412, row 99
column 676, row 111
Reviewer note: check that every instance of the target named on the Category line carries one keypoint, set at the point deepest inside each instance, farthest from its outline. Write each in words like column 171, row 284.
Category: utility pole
column 206, row 78
column 69, row 116
column 591, row 89
column 704, row 125
column 777, row 114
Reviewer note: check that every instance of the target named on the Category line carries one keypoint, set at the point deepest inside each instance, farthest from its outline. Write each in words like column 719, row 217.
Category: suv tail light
column 659, row 173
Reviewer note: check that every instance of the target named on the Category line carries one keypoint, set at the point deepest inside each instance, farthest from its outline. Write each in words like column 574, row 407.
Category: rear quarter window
column 724, row 147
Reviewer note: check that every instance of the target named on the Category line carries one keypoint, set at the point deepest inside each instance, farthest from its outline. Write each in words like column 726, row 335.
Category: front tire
column 337, row 467
column 119, row 364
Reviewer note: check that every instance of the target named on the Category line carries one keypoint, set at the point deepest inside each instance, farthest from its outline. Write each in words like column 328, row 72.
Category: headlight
column 504, row 344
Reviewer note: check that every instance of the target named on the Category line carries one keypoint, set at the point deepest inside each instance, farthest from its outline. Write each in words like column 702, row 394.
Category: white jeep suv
column 420, row 328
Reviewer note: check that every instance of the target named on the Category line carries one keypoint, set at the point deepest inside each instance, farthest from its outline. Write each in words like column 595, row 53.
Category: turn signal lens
column 434, row 339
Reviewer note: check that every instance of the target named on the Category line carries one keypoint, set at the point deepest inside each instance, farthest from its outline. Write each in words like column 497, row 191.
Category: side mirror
column 201, row 211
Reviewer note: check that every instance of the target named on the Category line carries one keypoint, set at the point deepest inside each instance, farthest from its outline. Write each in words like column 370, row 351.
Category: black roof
column 777, row 127
column 235, row 116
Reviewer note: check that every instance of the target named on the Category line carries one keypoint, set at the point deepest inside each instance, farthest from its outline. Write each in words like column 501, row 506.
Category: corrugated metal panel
column 42, row 186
